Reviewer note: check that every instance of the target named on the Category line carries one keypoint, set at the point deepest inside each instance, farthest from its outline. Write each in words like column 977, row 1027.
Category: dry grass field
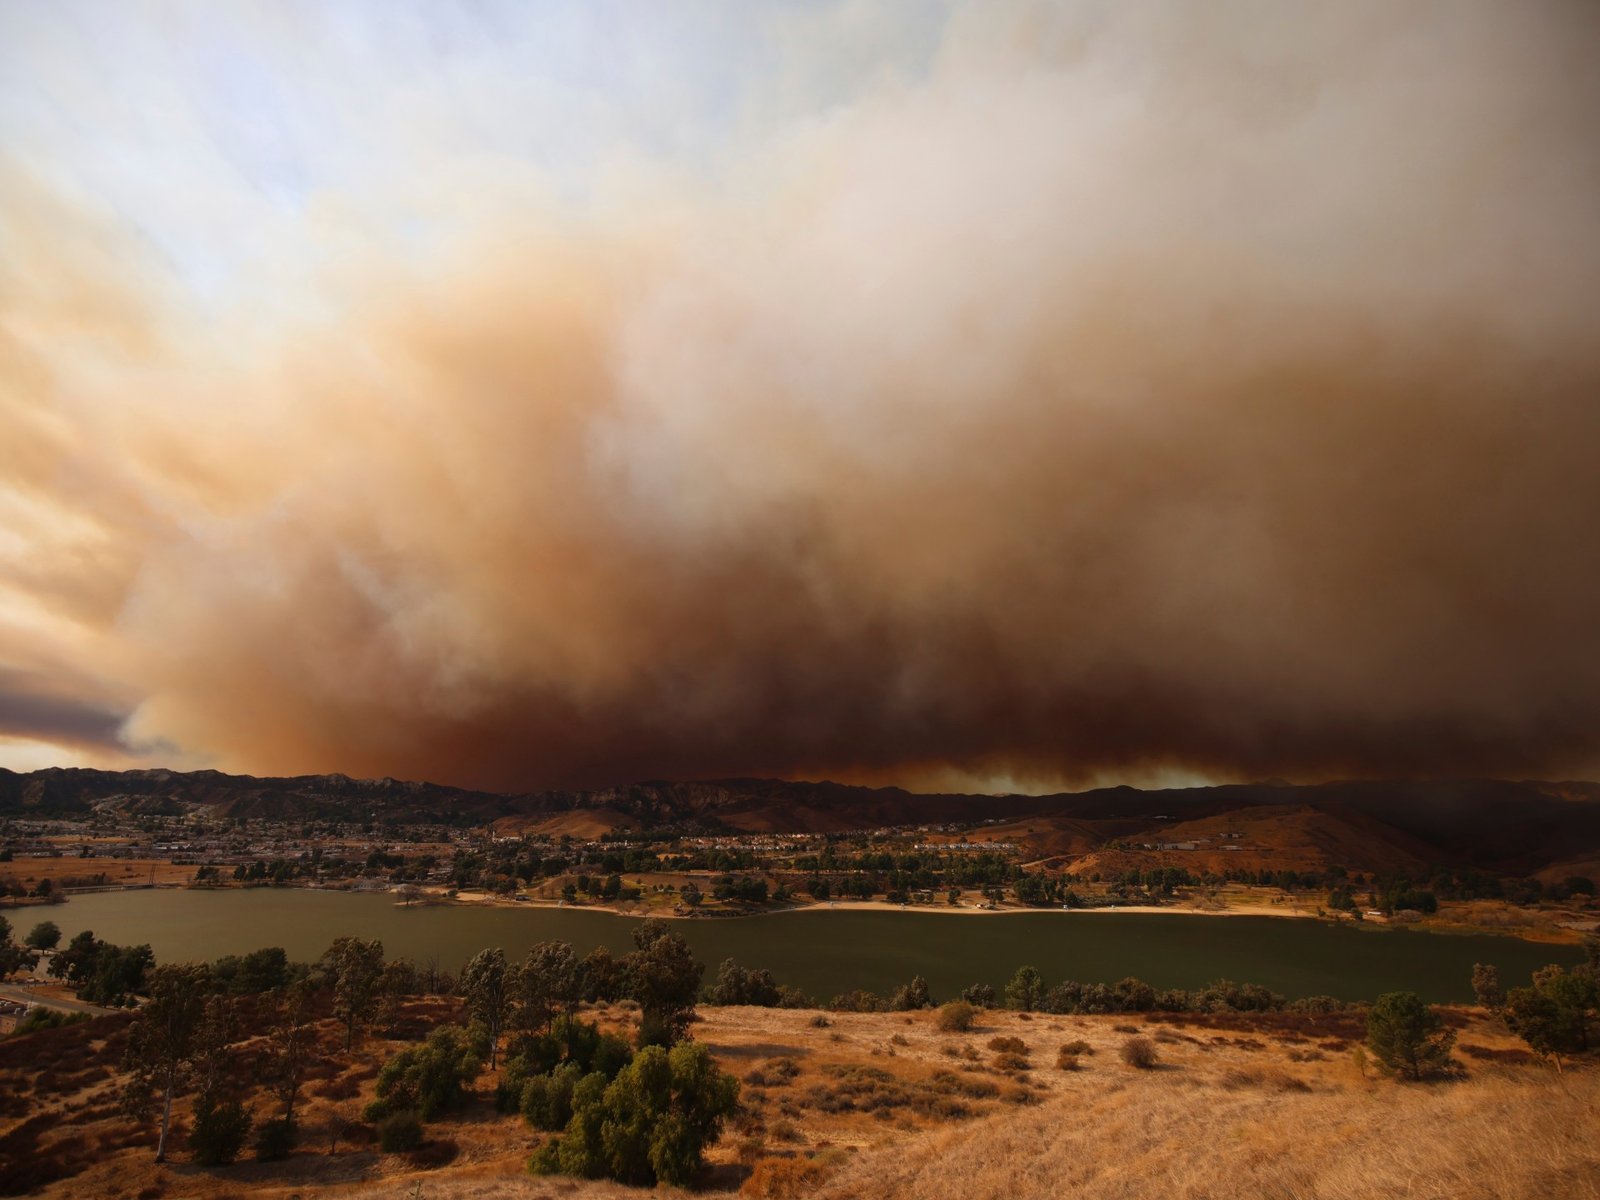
column 30, row 869
column 887, row 1106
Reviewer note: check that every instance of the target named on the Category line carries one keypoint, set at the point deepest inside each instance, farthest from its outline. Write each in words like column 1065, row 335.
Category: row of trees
column 1557, row 1013
column 661, row 975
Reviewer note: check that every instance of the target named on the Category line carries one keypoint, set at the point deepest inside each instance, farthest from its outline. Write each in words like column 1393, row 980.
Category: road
column 29, row 996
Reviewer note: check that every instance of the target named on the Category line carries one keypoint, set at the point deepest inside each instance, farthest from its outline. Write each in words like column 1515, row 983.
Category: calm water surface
column 827, row 952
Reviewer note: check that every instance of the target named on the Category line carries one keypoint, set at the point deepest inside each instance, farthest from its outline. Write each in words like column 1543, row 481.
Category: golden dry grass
column 1500, row 1136
column 30, row 869
column 1278, row 1107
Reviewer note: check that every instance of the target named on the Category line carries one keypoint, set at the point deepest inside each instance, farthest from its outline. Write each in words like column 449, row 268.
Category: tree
column 221, row 1121
column 429, row 1079
column 548, row 981
column 1026, row 991
column 1486, row 985
column 1558, row 1014
column 354, row 967
column 162, row 1042
column 292, row 1043
column 664, row 978
column 601, row 976
column 691, row 894
column 650, row 1125
column 913, row 995
column 220, row 1130
column 737, row 985
column 1408, row 1036
column 13, row 957
column 101, row 972
column 486, row 985
column 46, row 935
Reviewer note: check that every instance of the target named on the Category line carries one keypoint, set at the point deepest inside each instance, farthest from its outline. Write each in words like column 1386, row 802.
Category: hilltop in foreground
column 888, row 1106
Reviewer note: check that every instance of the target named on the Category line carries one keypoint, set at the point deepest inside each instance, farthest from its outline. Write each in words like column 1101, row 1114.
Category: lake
column 827, row 952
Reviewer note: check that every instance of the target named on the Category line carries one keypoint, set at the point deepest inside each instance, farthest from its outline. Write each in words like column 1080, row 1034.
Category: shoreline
column 487, row 901
column 1567, row 936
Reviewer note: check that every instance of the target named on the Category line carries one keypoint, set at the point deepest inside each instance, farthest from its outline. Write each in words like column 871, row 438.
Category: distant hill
column 1497, row 825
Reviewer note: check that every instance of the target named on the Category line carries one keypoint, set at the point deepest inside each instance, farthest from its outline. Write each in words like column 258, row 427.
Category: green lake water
column 826, row 952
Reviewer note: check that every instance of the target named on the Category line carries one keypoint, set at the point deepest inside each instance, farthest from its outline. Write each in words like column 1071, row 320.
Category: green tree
column 46, row 935
column 101, row 972
column 650, row 1125
column 601, row 976
column 354, row 968
column 549, row 981
column 913, row 995
column 486, row 986
column 664, row 978
column 291, row 1047
column 163, row 1042
column 1026, row 991
column 1558, row 1014
column 1407, row 1036
column 432, row 1078
column 13, row 957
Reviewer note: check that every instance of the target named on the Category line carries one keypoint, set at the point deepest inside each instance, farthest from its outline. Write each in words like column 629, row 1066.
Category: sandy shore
column 485, row 899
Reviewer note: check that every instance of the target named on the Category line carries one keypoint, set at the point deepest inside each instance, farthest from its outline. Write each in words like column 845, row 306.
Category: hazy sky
column 988, row 393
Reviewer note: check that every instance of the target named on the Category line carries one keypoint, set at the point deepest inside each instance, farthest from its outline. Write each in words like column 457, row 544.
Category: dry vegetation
column 72, row 871
column 889, row 1106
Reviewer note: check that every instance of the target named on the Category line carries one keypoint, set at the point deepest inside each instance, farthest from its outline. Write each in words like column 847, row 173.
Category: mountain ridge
column 1511, row 827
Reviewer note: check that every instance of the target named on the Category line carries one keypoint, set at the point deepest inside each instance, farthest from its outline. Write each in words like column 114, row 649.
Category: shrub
column 740, row 985
column 651, row 1124
column 1078, row 1047
column 857, row 1001
column 219, row 1131
column 1407, row 1035
column 547, row 1099
column 785, row 1179
column 956, row 1017
column 399, row 1132
column 913, row 995
column 1140, row 1053
column 979, row 995
column 776, row 1072
column 434, row 1153
column 820, row 1021
column 1008, row 1045
column 431, row 1078
column 275, row 1139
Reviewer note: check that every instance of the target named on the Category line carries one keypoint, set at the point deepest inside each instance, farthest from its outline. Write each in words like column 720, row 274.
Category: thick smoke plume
column 1206, row 388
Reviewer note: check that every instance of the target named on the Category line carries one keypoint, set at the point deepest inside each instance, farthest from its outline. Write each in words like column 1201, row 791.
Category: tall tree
column 486, row 986
column 548, row 981
column 12, row 956
column 354, row 967
column 664, row 978
column 293, row 1042
column 163, row 1042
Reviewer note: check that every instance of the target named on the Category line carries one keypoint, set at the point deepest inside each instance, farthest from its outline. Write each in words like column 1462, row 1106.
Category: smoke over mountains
column 1126, row 390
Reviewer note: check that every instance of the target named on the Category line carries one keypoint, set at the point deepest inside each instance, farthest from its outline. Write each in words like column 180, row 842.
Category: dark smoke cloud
column 1205, row 389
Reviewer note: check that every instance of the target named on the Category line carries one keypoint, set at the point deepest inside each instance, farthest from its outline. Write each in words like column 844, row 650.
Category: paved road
column 29, row 996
